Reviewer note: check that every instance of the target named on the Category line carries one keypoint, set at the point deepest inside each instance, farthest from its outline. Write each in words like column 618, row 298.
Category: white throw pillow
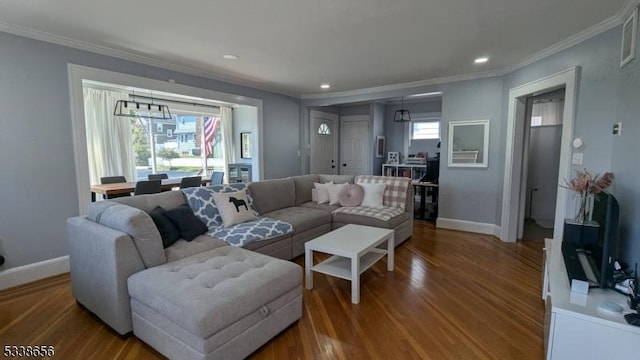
column 233, row 207
column 322, row 193
column 373, row 194
column 334, row 193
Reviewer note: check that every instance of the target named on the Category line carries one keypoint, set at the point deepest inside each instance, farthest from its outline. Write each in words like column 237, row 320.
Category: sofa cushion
column 182, row 249
column 167, row 229
column 259, row 229
column 337, row 179
column 388, row 217
column 200, row 199
column 167, row 200
column 270, row 195
column 210, row 291
column 395, row 193
column 233, row 207
column 134, row 222
column 186, row 221
column 301, row 218
column 324, row 207
column 351, row 195
column 304, row 184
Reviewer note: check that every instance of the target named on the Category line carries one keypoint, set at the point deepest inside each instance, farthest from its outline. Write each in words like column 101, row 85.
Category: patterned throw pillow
column 233, row 207
column 200, row 199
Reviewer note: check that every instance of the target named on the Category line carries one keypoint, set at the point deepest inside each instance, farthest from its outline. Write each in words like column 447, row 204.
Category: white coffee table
column 354, row 250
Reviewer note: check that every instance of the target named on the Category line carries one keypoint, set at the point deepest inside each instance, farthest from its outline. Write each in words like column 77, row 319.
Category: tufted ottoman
column 223, row 303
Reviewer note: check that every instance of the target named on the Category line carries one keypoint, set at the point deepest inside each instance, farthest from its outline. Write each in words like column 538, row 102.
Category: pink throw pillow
column 351, row 195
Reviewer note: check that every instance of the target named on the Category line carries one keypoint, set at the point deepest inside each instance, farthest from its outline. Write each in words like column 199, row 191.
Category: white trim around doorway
column 78, row 73
column 514, row 150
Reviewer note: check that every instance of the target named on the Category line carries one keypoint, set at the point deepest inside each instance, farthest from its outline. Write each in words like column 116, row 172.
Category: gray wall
column 38, row 187
column 395, row 131
column 471, row 193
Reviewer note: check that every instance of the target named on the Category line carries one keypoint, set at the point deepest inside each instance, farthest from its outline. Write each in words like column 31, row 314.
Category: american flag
column 210, row 127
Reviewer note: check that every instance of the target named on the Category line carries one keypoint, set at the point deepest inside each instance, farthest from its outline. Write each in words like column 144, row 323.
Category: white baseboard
column 32, row 272
column 470, row 226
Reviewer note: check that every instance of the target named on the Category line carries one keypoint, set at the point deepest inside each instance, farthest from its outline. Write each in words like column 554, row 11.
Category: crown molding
column 130, row 56
column 597, row 29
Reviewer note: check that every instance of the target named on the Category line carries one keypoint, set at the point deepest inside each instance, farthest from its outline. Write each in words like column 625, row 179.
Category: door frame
column 369, row 149
column 514, row 149
column 336, row 135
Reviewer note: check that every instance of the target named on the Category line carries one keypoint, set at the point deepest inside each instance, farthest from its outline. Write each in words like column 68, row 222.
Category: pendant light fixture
column 402, row 114
column 141, row 109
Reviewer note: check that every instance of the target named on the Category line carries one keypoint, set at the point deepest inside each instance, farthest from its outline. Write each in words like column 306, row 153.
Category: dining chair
column 158, row 176
column 217, row 177
column 148, row 187
column 190, row 181
column 113, row 180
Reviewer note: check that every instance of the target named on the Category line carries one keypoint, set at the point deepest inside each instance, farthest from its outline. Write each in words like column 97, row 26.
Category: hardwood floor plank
column 452, row 295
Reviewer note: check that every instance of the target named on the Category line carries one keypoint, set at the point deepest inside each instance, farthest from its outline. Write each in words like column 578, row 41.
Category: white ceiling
column 292, row 46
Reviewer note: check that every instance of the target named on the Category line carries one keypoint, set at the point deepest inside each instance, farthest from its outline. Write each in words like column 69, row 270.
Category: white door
column 323, row 143
column 354, row 145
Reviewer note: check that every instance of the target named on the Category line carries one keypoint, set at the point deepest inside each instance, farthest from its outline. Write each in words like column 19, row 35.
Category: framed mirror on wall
column 468, row 144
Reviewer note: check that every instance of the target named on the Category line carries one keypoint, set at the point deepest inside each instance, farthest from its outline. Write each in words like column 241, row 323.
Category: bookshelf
column 413, row 171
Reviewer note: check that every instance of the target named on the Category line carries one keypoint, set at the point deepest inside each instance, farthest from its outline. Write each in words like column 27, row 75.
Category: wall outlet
column 617, row 129
column 577, row 158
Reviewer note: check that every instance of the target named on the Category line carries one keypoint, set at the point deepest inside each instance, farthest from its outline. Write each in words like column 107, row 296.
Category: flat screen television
column 591, row 258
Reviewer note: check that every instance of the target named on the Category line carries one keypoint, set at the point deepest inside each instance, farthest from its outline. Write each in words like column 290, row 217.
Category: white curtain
column 226, row 120
column 109, row 144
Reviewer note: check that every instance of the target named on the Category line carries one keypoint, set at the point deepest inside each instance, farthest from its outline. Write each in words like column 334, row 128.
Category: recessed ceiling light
column 230, row 57
column 325, row 86
column 481, row 60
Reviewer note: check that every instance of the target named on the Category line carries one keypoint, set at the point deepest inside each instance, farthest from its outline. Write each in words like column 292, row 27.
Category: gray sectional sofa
column 207, row 299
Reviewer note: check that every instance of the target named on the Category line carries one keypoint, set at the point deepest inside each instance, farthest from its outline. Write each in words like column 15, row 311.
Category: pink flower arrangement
column 585, row 184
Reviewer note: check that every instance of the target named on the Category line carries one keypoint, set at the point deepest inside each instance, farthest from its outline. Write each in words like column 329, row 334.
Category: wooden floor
column 453, row 295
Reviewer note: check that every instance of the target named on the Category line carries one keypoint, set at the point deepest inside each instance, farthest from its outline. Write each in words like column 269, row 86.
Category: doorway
column 323, row 145
column 511, row 198
column 541, row 163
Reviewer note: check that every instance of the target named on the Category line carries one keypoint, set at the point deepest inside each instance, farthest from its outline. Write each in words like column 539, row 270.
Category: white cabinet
column 574, row 327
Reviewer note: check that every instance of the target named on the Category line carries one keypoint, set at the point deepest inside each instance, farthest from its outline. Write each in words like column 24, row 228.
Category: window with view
column 177, row 144
column 425, row 130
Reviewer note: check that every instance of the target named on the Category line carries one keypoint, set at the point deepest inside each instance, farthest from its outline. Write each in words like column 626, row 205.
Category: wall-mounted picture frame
column 379, row 147
column 629, row 30
column 245, row 145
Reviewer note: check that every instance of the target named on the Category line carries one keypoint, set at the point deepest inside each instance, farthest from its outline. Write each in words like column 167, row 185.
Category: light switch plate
column 617, row 129
column 577, row 158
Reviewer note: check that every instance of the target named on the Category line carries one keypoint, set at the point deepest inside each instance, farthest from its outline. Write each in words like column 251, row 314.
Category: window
column 324, row 129
column 424, row 130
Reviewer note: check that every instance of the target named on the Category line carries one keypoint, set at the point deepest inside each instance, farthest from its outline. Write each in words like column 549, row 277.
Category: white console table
column 574, row 327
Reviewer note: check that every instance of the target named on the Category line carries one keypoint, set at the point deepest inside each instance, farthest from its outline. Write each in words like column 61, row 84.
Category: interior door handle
column 333, row 166
column 344, row 164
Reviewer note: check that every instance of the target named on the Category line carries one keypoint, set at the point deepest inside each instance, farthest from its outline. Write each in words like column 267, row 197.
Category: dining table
column 129, row 187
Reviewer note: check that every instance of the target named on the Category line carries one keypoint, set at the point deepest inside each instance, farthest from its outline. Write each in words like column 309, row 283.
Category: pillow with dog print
column 233, row 207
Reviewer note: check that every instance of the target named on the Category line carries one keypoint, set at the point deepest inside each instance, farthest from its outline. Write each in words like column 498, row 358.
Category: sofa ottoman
column 222, row 303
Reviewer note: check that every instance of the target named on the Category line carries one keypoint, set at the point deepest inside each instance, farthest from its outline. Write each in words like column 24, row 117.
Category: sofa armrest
column 101, row 259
